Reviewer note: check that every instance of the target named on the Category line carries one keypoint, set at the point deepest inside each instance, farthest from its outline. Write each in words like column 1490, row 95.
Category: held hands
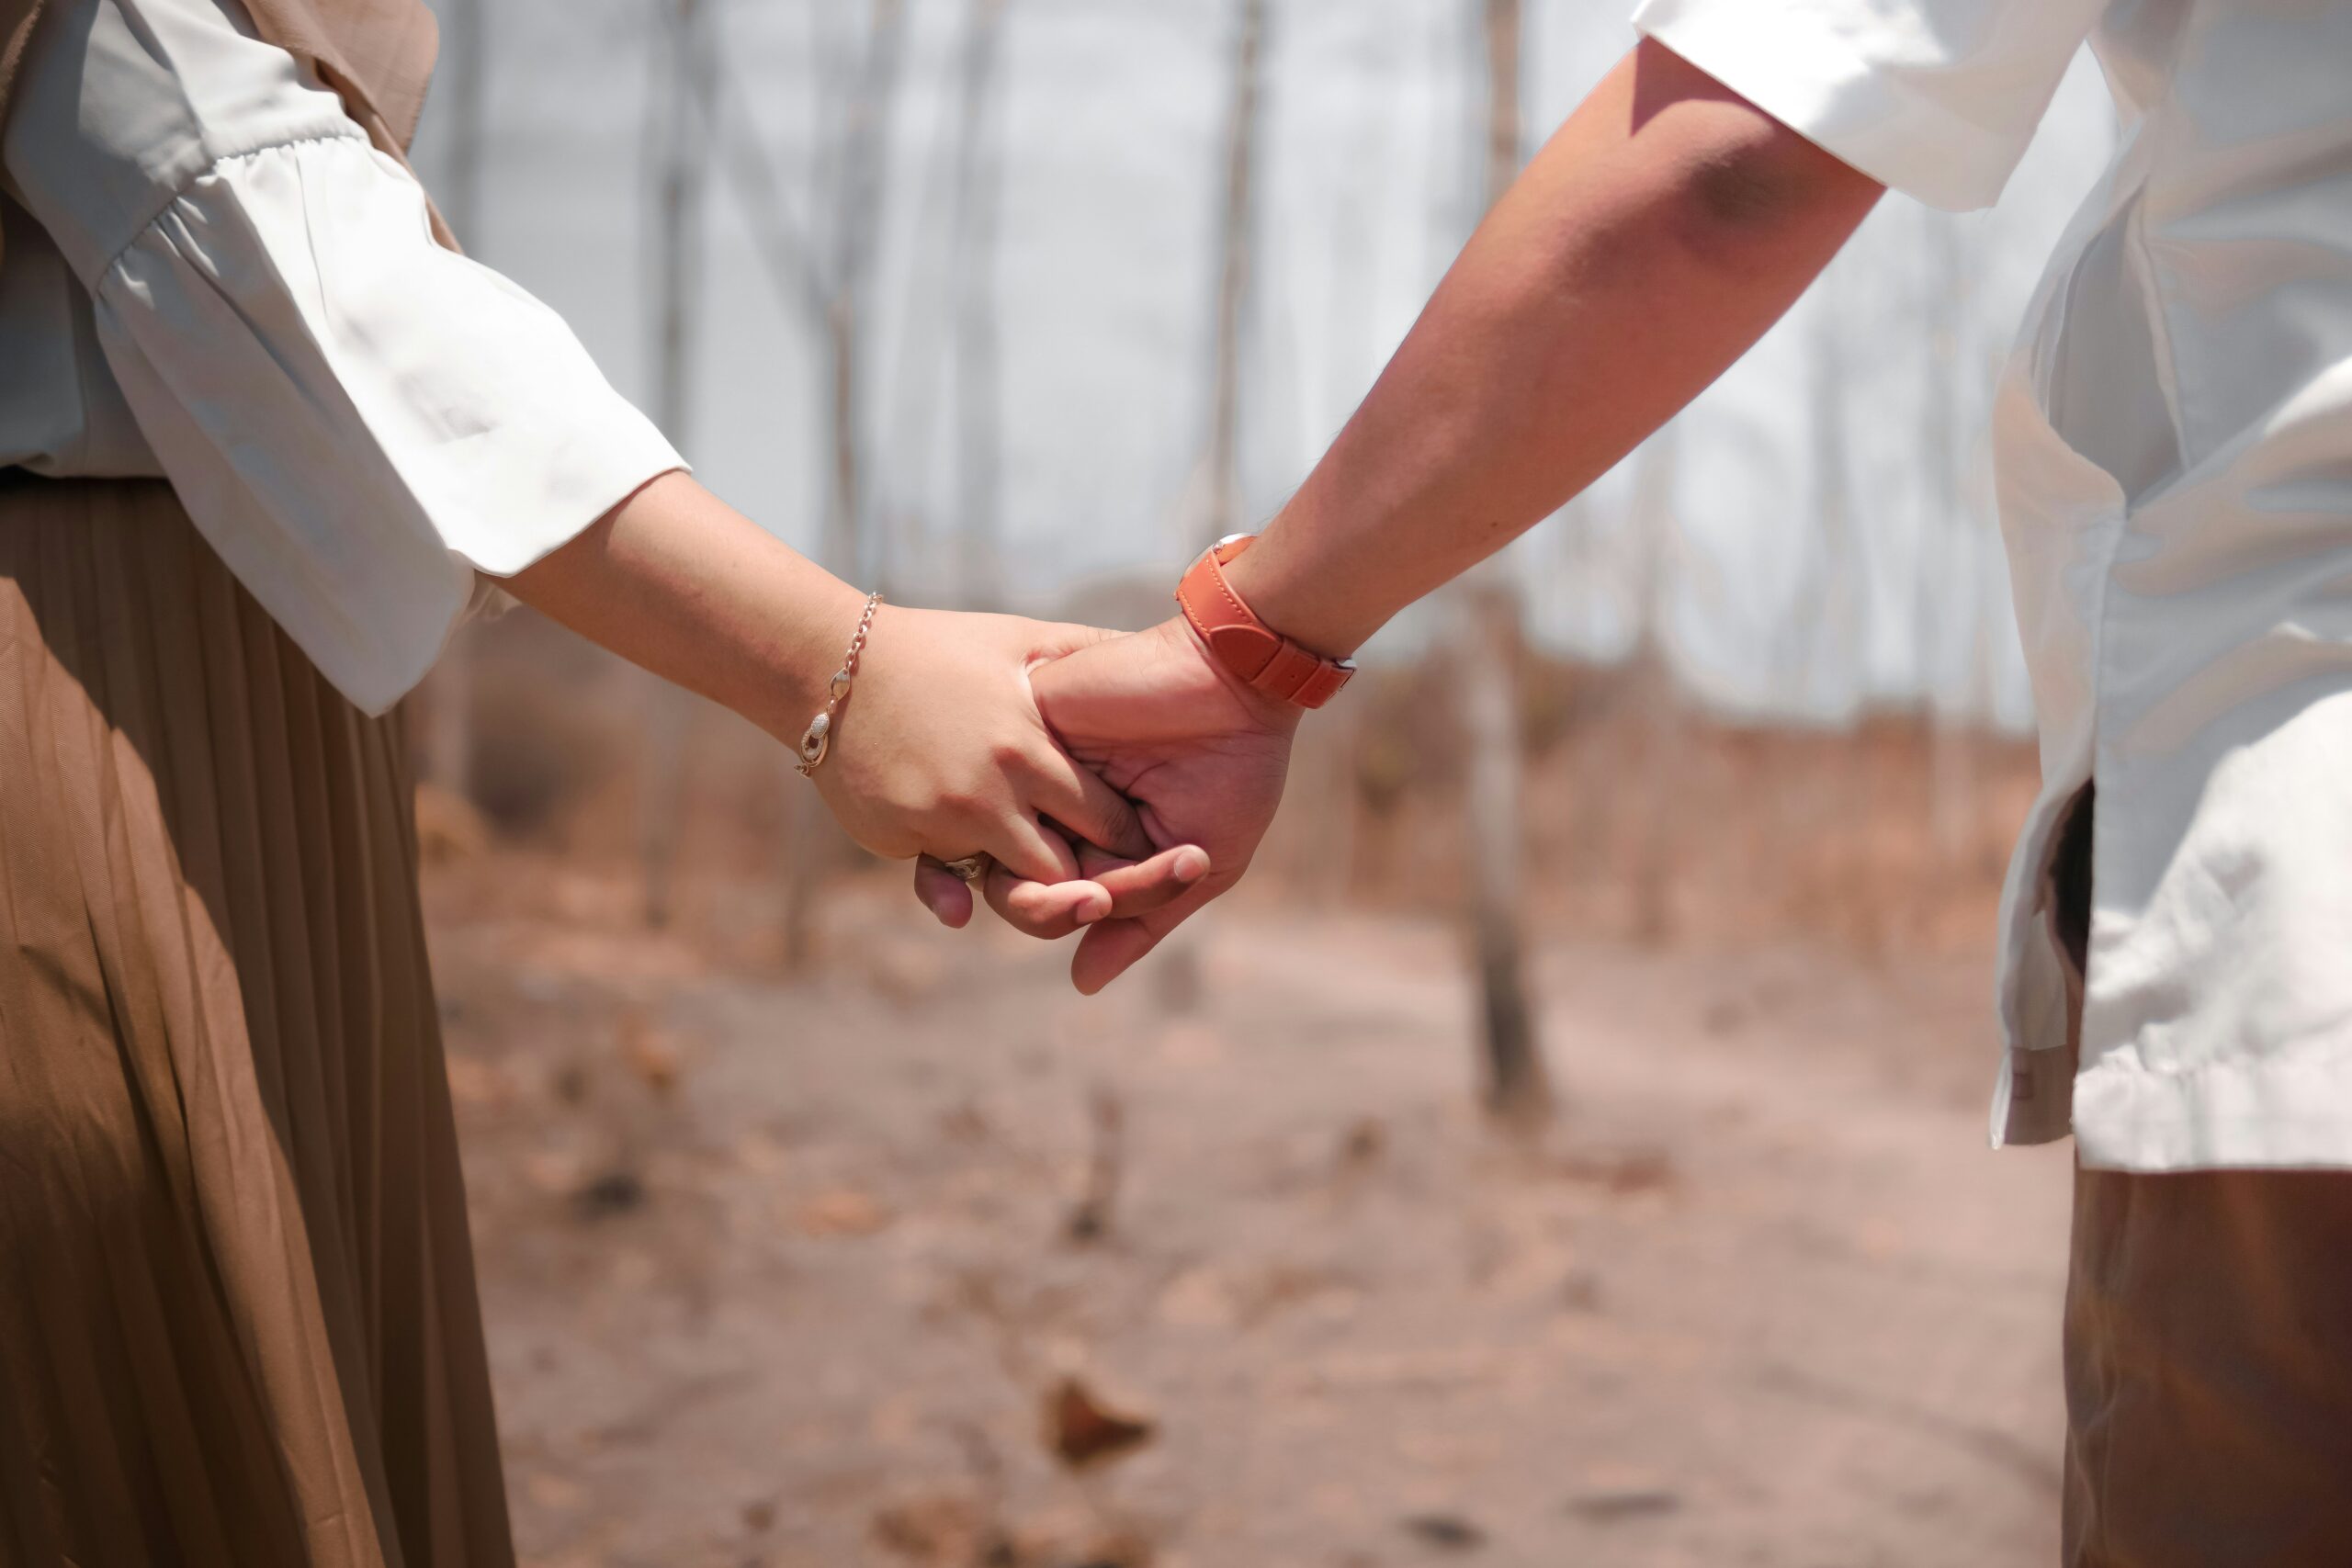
column 942, row 751
column 1200, row 757
column 943, row 754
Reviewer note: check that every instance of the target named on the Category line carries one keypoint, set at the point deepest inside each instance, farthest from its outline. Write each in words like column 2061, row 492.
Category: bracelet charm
column 818, row 738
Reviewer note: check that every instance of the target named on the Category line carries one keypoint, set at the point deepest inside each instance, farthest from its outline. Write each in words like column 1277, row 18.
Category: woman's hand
column 940, row 752
column 1202, row 756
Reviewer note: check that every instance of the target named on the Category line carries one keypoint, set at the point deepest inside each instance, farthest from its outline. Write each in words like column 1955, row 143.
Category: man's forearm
column 1657, row 235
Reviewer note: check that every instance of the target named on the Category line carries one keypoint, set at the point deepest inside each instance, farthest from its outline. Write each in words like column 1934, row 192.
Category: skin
column 940, row 750
column 1657, row 236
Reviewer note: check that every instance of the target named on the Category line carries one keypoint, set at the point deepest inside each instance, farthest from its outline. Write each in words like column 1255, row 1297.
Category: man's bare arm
column 1665, row 227
column 1654, row 238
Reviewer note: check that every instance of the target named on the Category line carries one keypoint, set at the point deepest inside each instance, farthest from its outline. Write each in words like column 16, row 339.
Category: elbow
column 1757, row 184
column 1764, row 197
column 1740, row 184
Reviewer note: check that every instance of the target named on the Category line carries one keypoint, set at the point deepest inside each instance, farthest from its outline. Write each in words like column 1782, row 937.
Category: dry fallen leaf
column 844, row 1211
column 1622, row 1174
column 1446, row 1532
column 1366, row 1141
column 1082, row 1430
column 1636, row 1503
column 648, row 1052
column 614, row 1192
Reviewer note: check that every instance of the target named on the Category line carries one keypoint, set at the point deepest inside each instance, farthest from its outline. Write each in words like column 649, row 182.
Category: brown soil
column 789, row 1271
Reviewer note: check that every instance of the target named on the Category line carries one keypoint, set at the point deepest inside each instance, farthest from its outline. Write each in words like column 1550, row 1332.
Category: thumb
column 1059, row 640
column 1110, row 947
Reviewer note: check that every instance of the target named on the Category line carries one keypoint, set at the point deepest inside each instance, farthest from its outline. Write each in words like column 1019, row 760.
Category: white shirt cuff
column 1937, row 99
column 358, row 420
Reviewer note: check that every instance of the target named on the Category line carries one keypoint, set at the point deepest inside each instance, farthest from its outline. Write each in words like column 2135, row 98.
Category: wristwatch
column 1264, row 659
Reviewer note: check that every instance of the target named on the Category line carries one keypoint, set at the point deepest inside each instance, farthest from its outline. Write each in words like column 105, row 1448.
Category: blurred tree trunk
column 1653, row 683
column 857, row 155
column 822, row 270
column 1213, row 507
column 1822, row 632
column 862, row 162
column 1947, row 600
column 979, row 186
column 1320, row 828
column 446, row 736
column 1829, row 607
column 1486, row 649
column 683, row 145
column 1237, row 240
column 1487, row 638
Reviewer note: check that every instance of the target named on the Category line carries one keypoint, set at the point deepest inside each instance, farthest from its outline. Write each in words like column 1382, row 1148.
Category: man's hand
column 1201, row 756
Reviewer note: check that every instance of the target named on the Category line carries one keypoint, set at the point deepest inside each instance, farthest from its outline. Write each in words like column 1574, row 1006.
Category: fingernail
column 1191, row 864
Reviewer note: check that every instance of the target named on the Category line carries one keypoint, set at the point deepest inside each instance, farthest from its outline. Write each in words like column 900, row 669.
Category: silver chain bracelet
column 817, row 737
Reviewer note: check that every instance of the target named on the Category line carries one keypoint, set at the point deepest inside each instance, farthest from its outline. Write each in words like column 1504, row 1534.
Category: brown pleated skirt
column 238, row 1323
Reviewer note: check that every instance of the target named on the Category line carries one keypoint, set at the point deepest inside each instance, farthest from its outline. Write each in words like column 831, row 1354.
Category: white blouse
column 210, row 275
column 2172, row 441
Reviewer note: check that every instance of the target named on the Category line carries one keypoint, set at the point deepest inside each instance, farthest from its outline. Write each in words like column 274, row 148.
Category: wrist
column 811, row 641
column 1263, row 657
column 1288, row 586
column 1269, row 714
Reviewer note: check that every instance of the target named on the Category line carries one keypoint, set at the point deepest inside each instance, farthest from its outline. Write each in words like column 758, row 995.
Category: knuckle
column 962, row 803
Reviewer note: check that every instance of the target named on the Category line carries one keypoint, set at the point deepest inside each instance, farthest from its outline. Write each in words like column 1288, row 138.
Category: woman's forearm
column 676, row 581
column 939, row 748
column 1657, row 236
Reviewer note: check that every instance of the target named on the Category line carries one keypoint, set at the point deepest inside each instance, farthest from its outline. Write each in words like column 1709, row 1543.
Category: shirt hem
column 2292, row 1112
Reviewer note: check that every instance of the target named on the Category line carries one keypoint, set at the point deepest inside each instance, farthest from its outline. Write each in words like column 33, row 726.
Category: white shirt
column 2173, row 444
column 210, row 275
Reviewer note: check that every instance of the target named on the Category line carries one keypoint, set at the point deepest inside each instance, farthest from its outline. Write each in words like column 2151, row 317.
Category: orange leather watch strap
column 1264, row 659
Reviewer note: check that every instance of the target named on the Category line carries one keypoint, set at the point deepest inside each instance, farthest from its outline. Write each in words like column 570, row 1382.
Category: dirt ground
column 783, row 1273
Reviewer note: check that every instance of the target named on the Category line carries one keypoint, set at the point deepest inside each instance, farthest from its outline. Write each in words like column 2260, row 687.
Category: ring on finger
column 971, row 868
